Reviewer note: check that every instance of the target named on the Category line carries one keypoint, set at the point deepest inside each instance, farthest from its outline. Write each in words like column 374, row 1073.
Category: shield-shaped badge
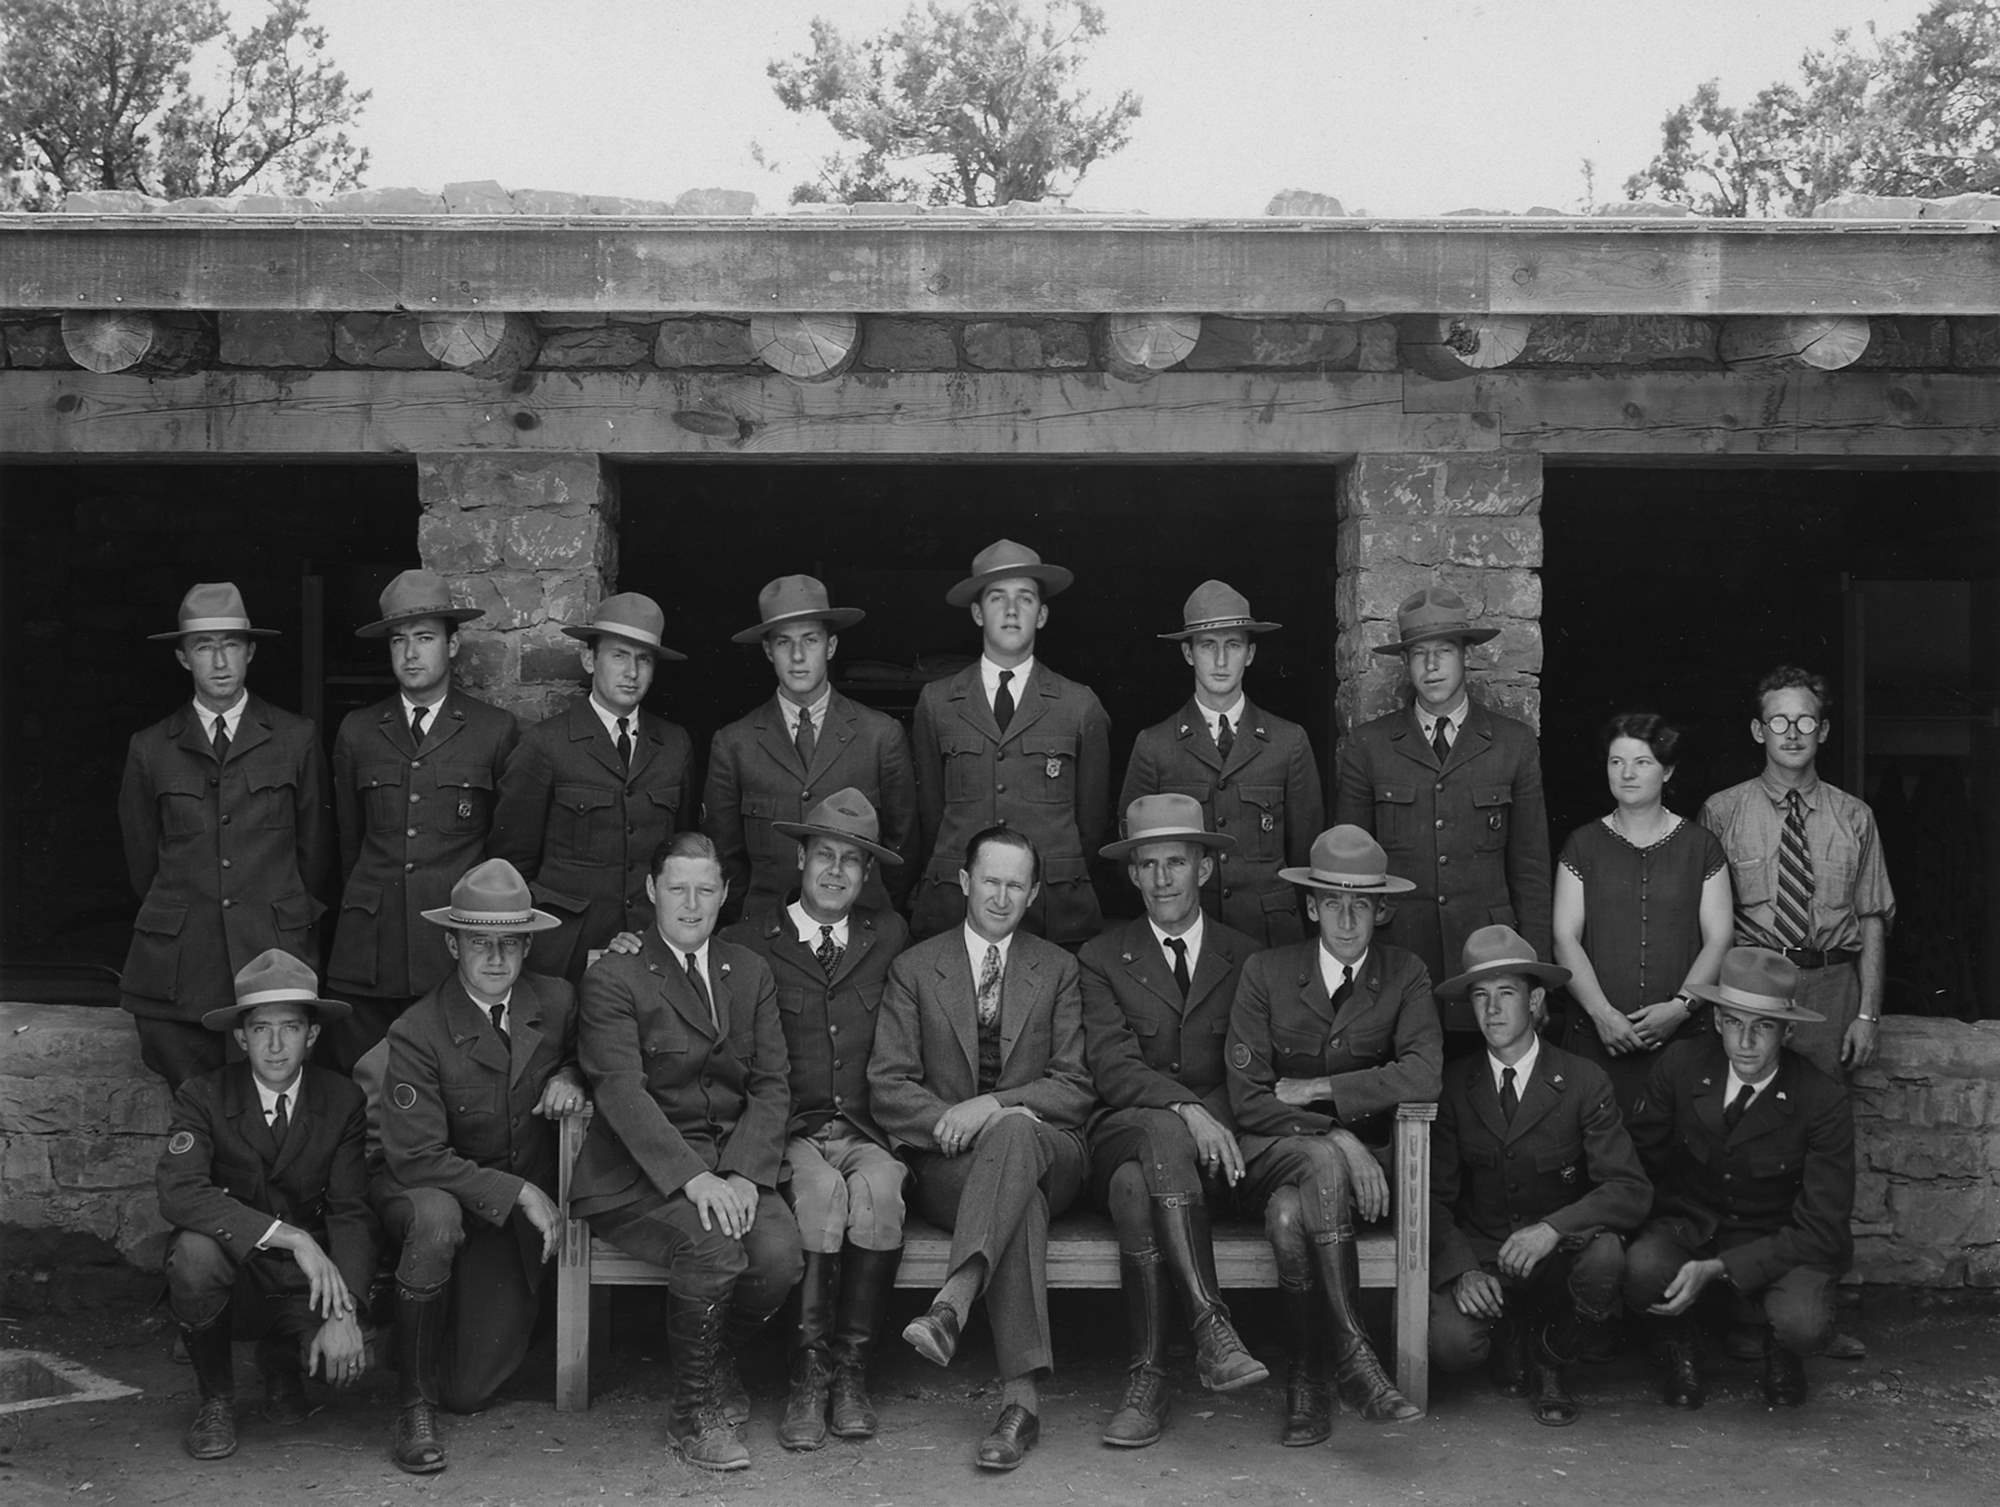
column 1054, row 767
column 1269, row 823
column 465, row 808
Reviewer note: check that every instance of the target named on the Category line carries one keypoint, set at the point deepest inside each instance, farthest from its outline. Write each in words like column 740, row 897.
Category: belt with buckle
column 1809, row 957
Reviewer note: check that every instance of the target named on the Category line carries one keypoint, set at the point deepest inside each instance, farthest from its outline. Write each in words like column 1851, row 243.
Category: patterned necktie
column 280, row 1121
column 802, row 739
column 499, row 1014
column 1225, row 736
column 701, row 990
column 1181, row 974
column 989, row 986
column 1737, row 1105
column 417, row 725
column 1003, row 701
column 828, row 952
column 1345, row 987
column 1795, row 876
column 221, row 740
column 1441, row 739
column 1509, row 1100
column 624, row 742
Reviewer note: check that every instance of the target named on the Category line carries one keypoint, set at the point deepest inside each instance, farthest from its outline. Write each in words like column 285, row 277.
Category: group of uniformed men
column 769, row 1098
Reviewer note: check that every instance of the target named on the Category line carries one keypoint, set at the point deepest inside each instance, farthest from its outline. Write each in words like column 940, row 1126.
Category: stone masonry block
column 1236, row 344
column 270, row 339
column 557, row 662
column 550, row 541
column 703, row 342
column 1947, row 1214
column 1898, row 342
column 1975, row 342
column 1389, row 486
column 716, row 201
column 390, row 342
column 1923, row 1154
column 1491, row 485
column 513, row 482
column 1366, row 543
column 85, row 1163
column 487, row 663
column 1618, row 340
column 1517, row 651
column 1019, row 345
column 509, row 599
column 24, row 1166
column 1490, row 544
column 612, row 346
column 483, row 197
column 460, row 544
column 1378, row 347
column 907, row 345
column 570, row 597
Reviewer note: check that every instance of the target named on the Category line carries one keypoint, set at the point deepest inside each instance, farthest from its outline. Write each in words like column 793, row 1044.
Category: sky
column 1394, row 107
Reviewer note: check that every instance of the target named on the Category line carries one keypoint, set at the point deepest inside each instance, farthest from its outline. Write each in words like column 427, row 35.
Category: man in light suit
column 1453, row 791
column 1156, row 998
column 793, row 751
column 1008, row 742
column 414, row 781
column 978, row 1072
column 591, row 793
column 1326, row 1038
column 1253, row 773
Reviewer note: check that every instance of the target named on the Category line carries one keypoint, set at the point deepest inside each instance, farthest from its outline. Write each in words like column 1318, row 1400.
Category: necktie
column 1737, row 1105
column 1795, row 876
column 1003, row 701
column 417, row 725
column 802, row 740
column 221, row 740
column 1345, row 987
column 989, row 986
column 1225, row 736
column 828, row 952
column 280, row 1121
column 701, row 990
column 624, row 742
column 499, row 1014
column 1181, row 975
column 1509, row 1100
column 1441, row 739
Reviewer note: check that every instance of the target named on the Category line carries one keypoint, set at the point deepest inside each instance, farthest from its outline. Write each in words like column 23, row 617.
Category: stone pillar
column 1470, row 522
column 531, row 539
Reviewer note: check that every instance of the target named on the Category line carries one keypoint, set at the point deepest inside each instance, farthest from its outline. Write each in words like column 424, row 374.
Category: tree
column 1916, row 113
column 969, row 105
column 100, row 94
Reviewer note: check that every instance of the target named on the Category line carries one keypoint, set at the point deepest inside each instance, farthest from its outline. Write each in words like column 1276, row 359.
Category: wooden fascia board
column 998, row 266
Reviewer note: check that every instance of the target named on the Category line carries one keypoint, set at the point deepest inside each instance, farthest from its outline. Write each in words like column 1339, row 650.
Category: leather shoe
column 934, row 1336
column 1508, row 1359
column 1684, row 1387
column 212, row 1435
column 1142, row 1416
column 1784, row 1376
column 418, row 1448
column 1015, row 1433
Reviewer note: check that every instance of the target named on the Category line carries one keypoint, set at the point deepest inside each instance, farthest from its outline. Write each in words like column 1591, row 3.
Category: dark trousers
column 752, row 1274
column 1798, row 1305
column 1313, row 1165
column 179, row 1050
column 1584, row 1274
column 271, row 1294
column 1159, row 1150
column 997, row 1200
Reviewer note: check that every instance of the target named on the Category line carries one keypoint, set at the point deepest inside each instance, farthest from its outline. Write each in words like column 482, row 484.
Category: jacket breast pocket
column 1051, row 776
column 966, row 776
column 183, row 805
column 1396, row 816
column 153, row 966
column 1297, row 1054
column 663, row 809
column 1478, row 1156
column 466, row 792
column 583, row 823
column 382, row 797
column 759, row 811
column 293, row 916
column 1365, row 1045
column 1260, row 836
column 273, row 798
column 1492, row 807
column 1561, row 1160
column 470, row 1101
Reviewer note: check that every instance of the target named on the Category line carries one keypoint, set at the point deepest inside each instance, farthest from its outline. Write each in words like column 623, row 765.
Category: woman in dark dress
column 1642, row 911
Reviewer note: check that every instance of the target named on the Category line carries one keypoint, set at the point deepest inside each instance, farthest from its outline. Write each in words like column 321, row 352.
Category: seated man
column 978, row 1071
column 681, row 1045
column 1326, row 1038
column 830, row 958
column 264, row 1180
column 476, row 1073
column 1156, row 997
column 1751, row 1152
column 1534, row 1181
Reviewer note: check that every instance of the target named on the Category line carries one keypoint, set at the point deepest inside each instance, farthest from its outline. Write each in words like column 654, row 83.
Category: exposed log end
column 1445, row 347
column 137, row 343
column 484, row 343
column 1823, row 342
column 1139, row 346
column 806, row 347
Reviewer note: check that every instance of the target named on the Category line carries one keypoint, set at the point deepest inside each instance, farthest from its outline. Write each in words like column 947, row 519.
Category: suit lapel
column 1031, row 702
column 969, row 691
column 665, row 966
column 587, row 730
column 1020, row 992
column 252, row 728
column 771, row 738
column 1211, row 971
column 242, row 1106
column 1147, row 965
column 646, row 741
column 722, row 990
column 447, row 722
column 472, row 1028
column 1539, row 1095
column 191, row 732
column 1475, row 736
column 1708, row 1095
column 524, row 1024
column 1485, row 1101
column 860, row 942
column 1250, row 736
column 1192, row 731
column 302, row 1117
column 957, row 998
column 836, row 731
column 1313, row 996
column 395, row 731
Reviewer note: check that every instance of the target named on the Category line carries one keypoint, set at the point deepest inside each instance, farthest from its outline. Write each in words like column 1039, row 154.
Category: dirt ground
column 1917, row 1422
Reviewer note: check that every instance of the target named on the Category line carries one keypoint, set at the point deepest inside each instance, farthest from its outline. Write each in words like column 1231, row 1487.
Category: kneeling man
column 1535, row 1181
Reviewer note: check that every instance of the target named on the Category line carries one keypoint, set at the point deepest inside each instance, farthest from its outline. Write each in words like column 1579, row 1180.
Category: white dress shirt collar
column 268, row 1097
column 975, row 951
column 1523, row 1070
column 808, row 928
column 1192, row 937
column 1733, row 1085
column 791, row 711
column 1330, row 966
column 989, row 677
column 610, row 719
column 232, row 717
column 1428, row 721
column 1233, row 713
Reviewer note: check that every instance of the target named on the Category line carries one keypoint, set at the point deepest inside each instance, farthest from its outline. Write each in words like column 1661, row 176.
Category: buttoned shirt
column 431, row 710
column 700, row 956
column 791, row 711
column 975, row 952
column 1733, row 1085
column 1192, row 937
column 1850, row 878
column 1330, row 969
column 1523, row 1070
column 486, row 1007
column 989, row 677
column 1454, row 719
column 808, row 929
column 610, row 719
column 1214, row 719
column 231, row 716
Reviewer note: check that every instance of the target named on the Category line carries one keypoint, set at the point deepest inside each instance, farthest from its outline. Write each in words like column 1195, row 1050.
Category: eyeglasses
column 1806, row 724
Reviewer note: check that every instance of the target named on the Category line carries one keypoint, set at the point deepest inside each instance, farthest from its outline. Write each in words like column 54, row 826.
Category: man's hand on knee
column 745, row 1193
column 337, row 1352
column 1478, row 1295
column 330, row 1297
column 716, row 1202
column 1364, row 1174
column 1527, row 1248
column 1688, row 1284
column 959, row 1126
column 1214, row 1147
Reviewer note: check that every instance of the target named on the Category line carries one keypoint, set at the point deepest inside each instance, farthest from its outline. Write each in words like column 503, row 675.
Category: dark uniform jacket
column 227, row 862
column 1773, row 1193
column 829, row 1024
column 582, row 829
column 1382, row 1047
column 411, row 821
column 1566, row 1161
column 674, row 1095
column 223, row 1176
column 1146, row 1049
column 1049, row 778
column 1266, row 795
column 754, row 779
column 1473, row 836
column 926, row 1056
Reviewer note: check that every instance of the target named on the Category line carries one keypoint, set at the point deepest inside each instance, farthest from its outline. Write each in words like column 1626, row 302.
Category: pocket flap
column 363, row 897
column 1063, row 870
column 766, row 806
column 1264, row 797
column 1492, row 795
column 571, row 905
column 161, row 917
column 1051, row 745
column 467, row 776
column 269, row 776
column 582, row 798
column 1562, row 1156
column 375, row 776
column 295, row 912
column 1400, row 795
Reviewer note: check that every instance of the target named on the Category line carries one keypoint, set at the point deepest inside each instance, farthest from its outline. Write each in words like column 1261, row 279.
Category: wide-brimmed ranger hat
column 630, row 615
column 491, row 896
column 413, row 595
column 1495, row 950
column 1758, row 981
column 1216, row 607
column 1434, row 612
column 1164, row 818
column 275, row 977
column 846, row 815
column 1346, row 860
column 795, row 599
column 213, row 607
column 1001, row 560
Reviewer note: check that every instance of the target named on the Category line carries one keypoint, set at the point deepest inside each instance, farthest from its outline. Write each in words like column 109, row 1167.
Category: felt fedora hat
column 1215, row 606
column 1493, row 950
column 1164, row 818
column 1002, row 559
column 1346, row 858
column 412, row 595
column 630, row 615
column 1758, row 981
column 213, row 607
column 846, row 815
column 491, row 896
column 1434, row 612
column 793, row 599
column 275, row 977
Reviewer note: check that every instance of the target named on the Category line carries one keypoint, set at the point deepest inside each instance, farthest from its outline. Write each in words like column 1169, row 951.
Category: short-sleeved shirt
column 1642, row 907
column 1850, row 879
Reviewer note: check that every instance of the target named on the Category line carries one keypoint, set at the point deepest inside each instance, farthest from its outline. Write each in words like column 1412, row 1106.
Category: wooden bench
column 1083, row 1252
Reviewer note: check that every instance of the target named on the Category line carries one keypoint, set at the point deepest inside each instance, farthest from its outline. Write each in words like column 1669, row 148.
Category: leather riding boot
column 804, row 1423
column 1565, row 1339
column 212, row 1435
column 1549, row 1398
column 1180, row 1225
column 1143, row 1414
column 1357, row 1373
column 740, row 1333
column 1308, row 1396
column 1784, row 1374
column 866, row 1278
column 1508, row 1360
column 1681, row 1348
column 418, row 1447
column 284, row 1380
column 696, row 1423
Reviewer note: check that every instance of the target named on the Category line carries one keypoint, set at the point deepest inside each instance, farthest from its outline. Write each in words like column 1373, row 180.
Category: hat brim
column 1785, row 1010
column 180, row 633
column 837, row 620
column 1125, row 845
column 323, row 1011
column 1463, row 635
column 1306, row 879
column 800, row 831
column 1549, row 975
column 453, row 920
column 453, row 615
column 1053, row 580
column 592, row 633
column 1224, row 627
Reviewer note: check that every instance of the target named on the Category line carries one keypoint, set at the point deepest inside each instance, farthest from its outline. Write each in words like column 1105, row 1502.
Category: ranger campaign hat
column 1495, row 950
column 275, row 977
column 1164, row 818
column 846, row 815
column 1434, row 612
column 632, row 616
column 213, row 607
column 793, row 599
column 1001, row 560
column 1215, row 606
column 412, row 595
column 491, row 896
column 1347, row 860
column 1758, row 981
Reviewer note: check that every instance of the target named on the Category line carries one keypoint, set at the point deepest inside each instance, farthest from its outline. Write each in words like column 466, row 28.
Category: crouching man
column 264, row 1180
column 1534, row 1180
